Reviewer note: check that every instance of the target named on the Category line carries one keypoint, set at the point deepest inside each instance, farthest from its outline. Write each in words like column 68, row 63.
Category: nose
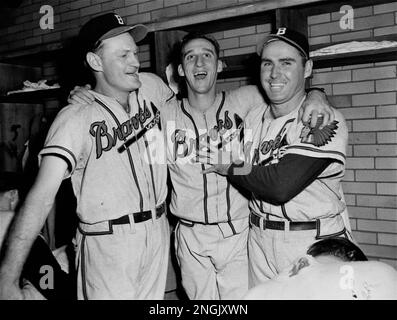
column 275, row 71
column 134, row 60
column 199, row 61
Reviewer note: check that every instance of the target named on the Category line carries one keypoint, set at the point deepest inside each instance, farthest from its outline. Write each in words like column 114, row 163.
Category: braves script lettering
column 184, row 146
column 105, row 140
column 272, row 146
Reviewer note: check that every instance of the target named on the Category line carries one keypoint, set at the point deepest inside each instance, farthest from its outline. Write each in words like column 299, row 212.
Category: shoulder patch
column 319, row 137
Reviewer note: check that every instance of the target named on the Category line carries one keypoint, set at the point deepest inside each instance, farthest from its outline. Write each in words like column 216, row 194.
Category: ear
column 180, row 71
column 94, row 61
column 308, row 68
column 220, row 66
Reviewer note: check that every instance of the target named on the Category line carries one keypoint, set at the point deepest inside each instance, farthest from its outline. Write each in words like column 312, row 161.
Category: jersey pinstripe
column 108, row 183
column 207, row 198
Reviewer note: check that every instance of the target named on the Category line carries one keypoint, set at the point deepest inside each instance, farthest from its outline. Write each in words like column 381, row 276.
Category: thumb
column 300, row 113
column 208, row 170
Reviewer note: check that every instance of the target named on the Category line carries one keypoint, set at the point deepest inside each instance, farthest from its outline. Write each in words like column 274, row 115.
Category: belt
column 280, row 225
column 139, row 216
column 192, row 223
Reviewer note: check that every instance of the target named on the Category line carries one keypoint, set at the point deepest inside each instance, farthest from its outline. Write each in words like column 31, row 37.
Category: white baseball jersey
column 110, row 182
column 208, row 198
column 339, row 280
column 274, row 138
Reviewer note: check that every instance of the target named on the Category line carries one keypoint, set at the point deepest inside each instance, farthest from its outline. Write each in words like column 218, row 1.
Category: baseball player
column 294, row 172
column 123, row 234
column 332, row 269
column 211, row 236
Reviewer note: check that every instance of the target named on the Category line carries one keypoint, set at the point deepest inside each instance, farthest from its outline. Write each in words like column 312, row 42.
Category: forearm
column 24, row 230
column 278, row 183
column 30, row 218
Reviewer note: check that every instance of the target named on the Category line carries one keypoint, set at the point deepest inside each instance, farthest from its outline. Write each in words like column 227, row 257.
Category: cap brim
column 273, row 37
column 138, row 32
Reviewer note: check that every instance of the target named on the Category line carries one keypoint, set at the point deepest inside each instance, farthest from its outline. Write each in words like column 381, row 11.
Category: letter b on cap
column 120, row 19
column 281, row 31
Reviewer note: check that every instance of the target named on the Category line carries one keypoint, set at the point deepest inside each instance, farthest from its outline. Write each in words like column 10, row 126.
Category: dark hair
column 339, row 247
column 197, row 35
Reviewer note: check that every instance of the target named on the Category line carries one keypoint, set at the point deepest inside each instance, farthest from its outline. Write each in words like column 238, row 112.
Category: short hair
column 301, row 54
column 197, row 35
column 98, row 48
column 339, row 247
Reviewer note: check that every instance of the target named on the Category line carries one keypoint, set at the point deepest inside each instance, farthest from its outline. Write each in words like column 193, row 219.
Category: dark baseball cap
column 292, row 37
column 107, row 26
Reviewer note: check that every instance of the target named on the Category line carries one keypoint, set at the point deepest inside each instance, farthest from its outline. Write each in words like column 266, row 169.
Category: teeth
column 201, row 73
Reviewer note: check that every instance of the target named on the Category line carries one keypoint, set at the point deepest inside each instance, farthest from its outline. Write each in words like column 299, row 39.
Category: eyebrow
column 122, row 50
column 280, row 59
column 204, row 49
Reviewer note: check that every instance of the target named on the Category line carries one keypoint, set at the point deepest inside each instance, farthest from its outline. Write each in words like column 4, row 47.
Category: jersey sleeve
column 248, row 97
column 155, row 88
column 278, row 183
column 65, row 139
column 328, row 142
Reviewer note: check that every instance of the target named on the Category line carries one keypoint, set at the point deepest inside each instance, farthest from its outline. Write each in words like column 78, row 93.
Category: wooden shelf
column 32, row 56
column 240, row 66
column 224, row 13
column 357, row 57
column 37, row 96
column 248, row 64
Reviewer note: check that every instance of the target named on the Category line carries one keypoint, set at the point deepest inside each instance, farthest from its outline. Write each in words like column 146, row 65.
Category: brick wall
column 236, row 42
column 241, row 40
column 70, row 15
column 369, row 22
column 366, row 95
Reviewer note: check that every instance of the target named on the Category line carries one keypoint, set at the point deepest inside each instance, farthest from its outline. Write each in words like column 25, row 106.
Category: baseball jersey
column 339, row 280
column 274, row 138
column 110, row 181
column 208, row 198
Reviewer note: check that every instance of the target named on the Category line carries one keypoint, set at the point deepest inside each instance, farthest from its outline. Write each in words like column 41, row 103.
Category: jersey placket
column 211, row 194
column 140, row 146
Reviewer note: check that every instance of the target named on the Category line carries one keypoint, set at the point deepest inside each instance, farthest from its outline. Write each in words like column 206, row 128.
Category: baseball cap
column 107, row 26
column 292, row 37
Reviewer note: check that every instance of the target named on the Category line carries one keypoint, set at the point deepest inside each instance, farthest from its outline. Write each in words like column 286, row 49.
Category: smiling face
column 119, row 63
column 200, row 66
column 283, row 75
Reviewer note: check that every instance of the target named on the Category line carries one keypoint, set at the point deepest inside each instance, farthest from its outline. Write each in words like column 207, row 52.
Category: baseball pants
column 212, row 267
column 271, row 251
column 129, row 264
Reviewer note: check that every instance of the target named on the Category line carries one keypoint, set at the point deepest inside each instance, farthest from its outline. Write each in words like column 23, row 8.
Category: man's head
column 199, row 62
column 111, row 52
column 285, row 65
column 338, row 247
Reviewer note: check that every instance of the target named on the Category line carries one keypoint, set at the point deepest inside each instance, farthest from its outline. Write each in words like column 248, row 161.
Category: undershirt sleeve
column 278, row 183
